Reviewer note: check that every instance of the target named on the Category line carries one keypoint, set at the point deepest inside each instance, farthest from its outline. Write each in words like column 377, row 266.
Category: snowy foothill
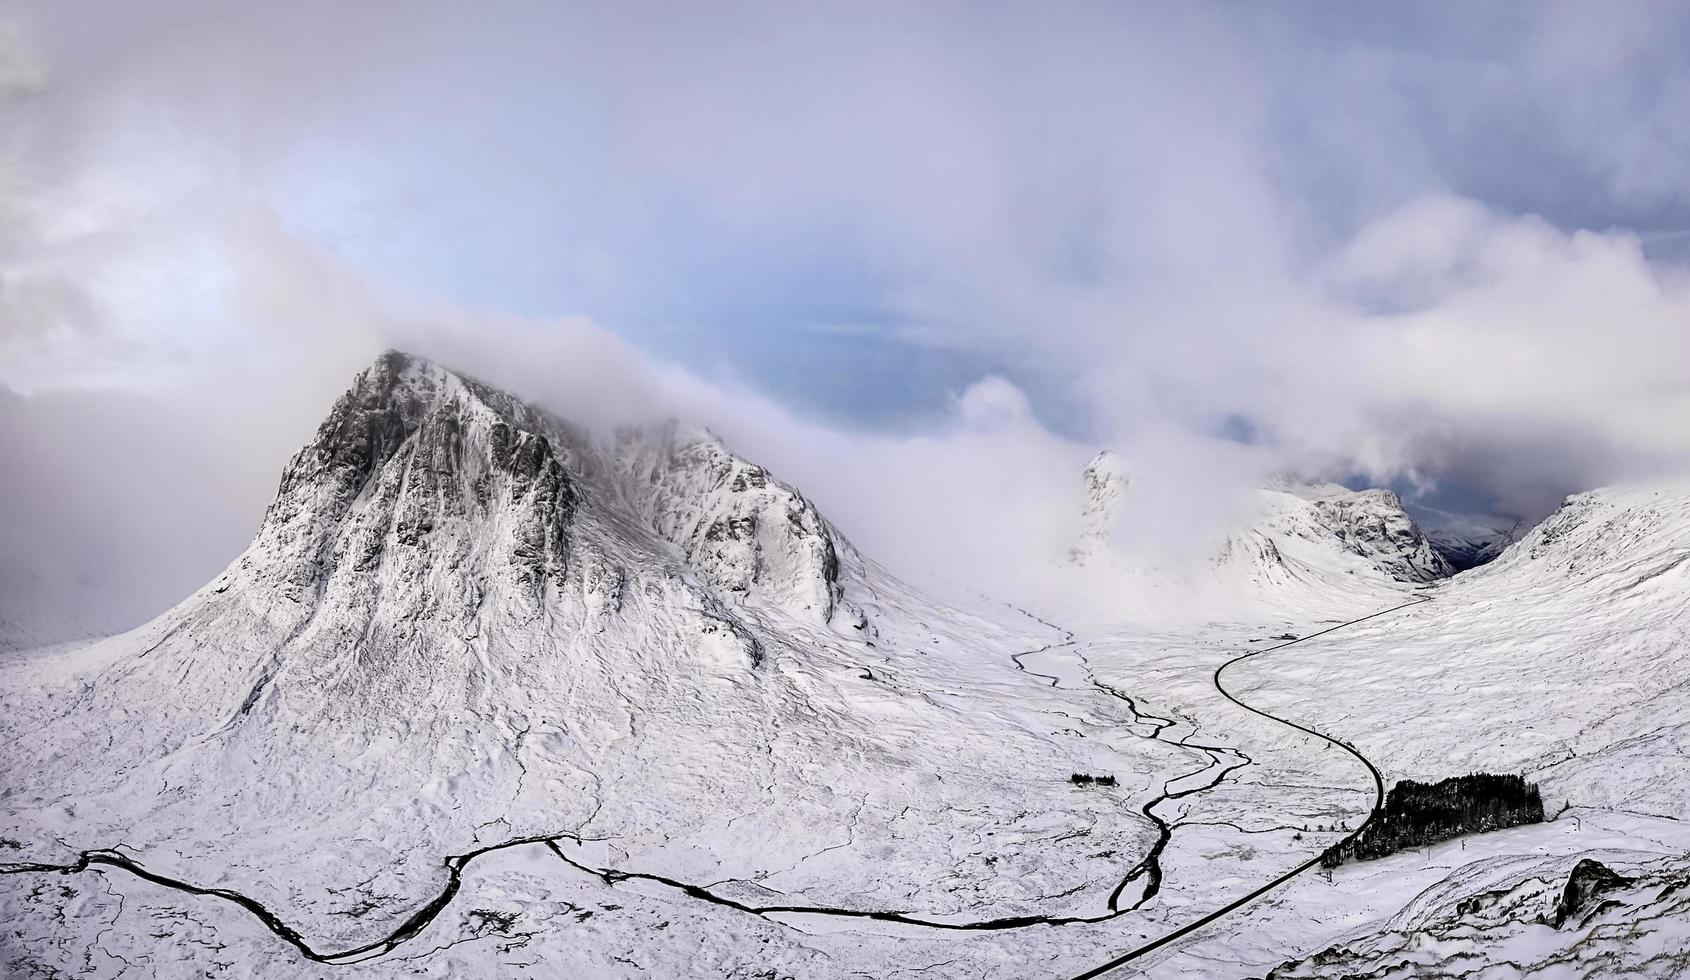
column 490, row 694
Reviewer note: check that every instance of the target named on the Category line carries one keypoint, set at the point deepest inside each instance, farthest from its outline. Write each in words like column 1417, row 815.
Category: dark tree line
column 1420, row 814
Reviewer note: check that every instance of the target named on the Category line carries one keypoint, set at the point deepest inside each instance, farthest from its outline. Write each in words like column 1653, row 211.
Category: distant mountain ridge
column 1323, row 523
column 1372, row 524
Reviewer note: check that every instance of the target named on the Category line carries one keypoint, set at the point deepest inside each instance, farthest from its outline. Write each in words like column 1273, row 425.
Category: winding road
column 1378, row 799
column 1223, row 760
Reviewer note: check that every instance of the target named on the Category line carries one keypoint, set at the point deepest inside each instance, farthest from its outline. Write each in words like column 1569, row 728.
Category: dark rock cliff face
column 418, row 472
column 1589, row 881
column 1373, row 524
column 365, row 426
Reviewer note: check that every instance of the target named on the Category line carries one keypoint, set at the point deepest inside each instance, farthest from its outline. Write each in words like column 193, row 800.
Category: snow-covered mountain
column 1106, row 481
column 1467, row 541
column 1368, row 524
column 1287, row 539
column 435, row 528
column 489, row 695
column 464, row 621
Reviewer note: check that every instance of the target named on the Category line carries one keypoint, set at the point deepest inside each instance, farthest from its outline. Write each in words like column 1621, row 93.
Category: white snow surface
column 464, row 623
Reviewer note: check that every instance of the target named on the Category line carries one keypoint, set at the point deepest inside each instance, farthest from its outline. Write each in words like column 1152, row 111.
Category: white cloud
column 1186, row 217
column 21, row 70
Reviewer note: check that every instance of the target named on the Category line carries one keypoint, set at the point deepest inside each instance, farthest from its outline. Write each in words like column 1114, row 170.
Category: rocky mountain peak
column 438, row 538
column 1342, row 524
column 428, row 496
column 746, row 533
column 1106, row 481
column 410, row 467
column 1372, row 524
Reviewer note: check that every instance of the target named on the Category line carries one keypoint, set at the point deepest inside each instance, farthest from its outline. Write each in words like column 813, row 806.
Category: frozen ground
column 718, row 742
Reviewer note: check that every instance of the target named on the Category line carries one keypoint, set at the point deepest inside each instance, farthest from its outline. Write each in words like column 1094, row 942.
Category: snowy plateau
column 491, row 696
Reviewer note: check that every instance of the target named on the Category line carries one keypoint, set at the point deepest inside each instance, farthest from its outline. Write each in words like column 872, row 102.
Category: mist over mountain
column 899, row 491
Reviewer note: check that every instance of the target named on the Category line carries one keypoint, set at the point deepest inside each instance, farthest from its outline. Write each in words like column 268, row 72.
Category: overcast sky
column 1436, row 246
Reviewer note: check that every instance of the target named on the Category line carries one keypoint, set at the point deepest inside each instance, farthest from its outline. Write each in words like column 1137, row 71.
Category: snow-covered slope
column 746, row 533
column 1304, row 546
column 1566, row 659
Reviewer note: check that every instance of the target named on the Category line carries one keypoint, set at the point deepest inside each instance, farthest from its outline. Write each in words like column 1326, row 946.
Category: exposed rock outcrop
column 1373, row 525
column 1604, row 925
column 744, row 532
column 1106, row 482
column 1590, row 880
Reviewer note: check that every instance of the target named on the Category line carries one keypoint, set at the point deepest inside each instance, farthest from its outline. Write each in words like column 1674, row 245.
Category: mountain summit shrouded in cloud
column 905, row 490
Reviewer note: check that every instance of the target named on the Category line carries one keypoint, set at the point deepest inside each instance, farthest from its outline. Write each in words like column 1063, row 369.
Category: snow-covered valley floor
column 1207, row 794
column 533, row 910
